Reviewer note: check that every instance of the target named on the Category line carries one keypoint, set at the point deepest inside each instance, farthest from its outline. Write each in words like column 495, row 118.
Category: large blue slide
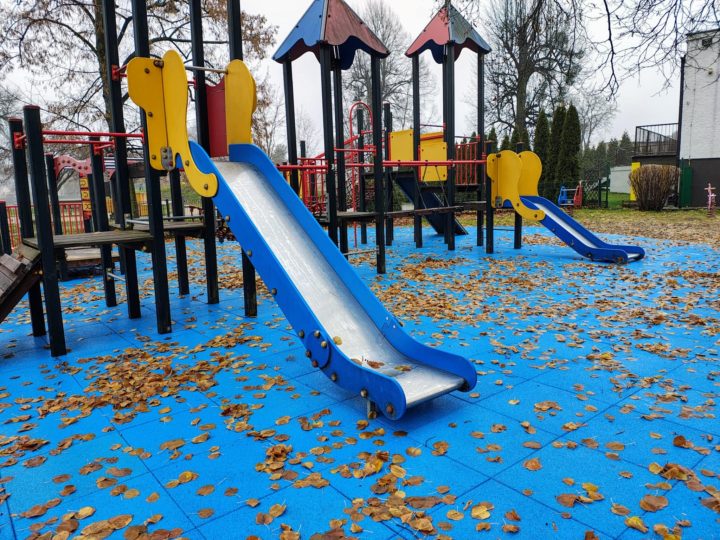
column 347, row 332
column 578, row 237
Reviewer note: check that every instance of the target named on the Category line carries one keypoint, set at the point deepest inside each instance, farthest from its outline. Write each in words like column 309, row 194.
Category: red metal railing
column 71, row 216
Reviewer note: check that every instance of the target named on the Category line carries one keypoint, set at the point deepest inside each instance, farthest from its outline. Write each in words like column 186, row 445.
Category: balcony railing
column 657, row 139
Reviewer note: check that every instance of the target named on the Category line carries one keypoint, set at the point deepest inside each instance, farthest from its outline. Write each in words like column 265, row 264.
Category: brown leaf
column 653, row 503
column 532, row 464
column 205, row 490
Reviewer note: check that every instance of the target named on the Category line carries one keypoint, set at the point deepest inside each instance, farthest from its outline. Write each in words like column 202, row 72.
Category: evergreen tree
column 567, row 170
column 505, row 143
column 541, row 144
column 625, row 150
column 602, row 158
column 492, row 136
column 558, row 120
column 514, row 139
column 613, row 152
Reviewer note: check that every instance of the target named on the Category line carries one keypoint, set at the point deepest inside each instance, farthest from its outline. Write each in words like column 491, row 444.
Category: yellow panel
column 145, row 86
column 84, row 184
column 176, row 101
column 433, row 149
column 529, row 174
column 401, row 145
column 240, row 102
column 504, row 169
column 634, row 165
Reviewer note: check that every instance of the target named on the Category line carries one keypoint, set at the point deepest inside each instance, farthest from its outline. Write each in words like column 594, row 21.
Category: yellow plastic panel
column 433, row 148
column 401, row 145
column 240, row 102
column 504, row 169
column 530, row 173
column 176, row 101
column 634, row 165
column 145, row 86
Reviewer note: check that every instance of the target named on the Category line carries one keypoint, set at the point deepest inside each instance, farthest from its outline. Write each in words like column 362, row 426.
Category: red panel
column 216, row 119
column 342, row 23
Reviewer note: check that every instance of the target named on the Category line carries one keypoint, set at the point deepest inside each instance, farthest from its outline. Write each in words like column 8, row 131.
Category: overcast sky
column 639, row 101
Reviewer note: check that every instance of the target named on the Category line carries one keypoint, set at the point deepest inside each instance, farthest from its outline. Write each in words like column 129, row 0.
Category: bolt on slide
column 347, row 332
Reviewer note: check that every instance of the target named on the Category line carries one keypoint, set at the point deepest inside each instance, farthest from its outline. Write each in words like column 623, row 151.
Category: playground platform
column 595, row 408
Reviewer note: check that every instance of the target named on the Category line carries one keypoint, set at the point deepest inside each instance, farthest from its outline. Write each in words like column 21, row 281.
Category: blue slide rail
column 437, row 372
column 578, row 237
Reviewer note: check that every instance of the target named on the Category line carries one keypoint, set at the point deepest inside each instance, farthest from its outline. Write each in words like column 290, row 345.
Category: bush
column 653, row 185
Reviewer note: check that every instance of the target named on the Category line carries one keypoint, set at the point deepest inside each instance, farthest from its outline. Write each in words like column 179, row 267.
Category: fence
column 657, row 139
column 71, row 217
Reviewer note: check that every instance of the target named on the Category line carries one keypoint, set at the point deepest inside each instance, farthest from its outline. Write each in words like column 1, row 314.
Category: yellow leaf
column 636, row 523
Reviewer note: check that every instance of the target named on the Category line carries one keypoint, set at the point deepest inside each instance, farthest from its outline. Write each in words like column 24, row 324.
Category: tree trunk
column 101, row 58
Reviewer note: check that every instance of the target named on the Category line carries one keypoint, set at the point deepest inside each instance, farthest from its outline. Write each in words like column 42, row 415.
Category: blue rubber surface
column 591, row 372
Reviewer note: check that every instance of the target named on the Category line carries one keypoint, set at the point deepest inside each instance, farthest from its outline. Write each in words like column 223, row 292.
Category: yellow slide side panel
column 433, row 148
column 145, row 86
column 401, row 145
column 634, row 165
column 504, row 169
column 240, row 102
column 176, row 101
column 529, row 174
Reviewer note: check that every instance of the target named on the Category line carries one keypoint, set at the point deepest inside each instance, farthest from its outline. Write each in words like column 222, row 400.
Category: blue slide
column 578, row 237
column 347, row 332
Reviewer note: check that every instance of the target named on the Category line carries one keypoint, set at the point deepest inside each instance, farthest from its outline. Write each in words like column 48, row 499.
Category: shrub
column 653, row 185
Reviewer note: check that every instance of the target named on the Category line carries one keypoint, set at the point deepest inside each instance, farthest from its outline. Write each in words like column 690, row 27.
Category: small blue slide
column 347, row 332
column 578, row 237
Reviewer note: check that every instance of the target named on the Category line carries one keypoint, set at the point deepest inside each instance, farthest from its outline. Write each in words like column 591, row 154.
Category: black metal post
column 389, row 225
column 152, row 182
column 290, row 123
column 101, row 221
column 46, row 244
column 489, row 210
column 236, row 53
column 27, row 230
column 362, row 185
column 178, row 209
column 5, row 241
column 121, row 205
column 376, row 107
column 55, row 210
column 480, row 171
column 203, row 133
column 417, row 218
column 449, row 97
column 517, row 237
column 326, row 92
column 91, row 224
column 340, row 155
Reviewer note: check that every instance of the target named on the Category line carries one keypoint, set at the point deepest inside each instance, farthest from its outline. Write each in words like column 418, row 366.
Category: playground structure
column 346, row 331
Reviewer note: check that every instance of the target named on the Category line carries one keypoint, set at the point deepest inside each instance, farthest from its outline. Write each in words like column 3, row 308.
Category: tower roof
column 448, row 26
column 330, row 22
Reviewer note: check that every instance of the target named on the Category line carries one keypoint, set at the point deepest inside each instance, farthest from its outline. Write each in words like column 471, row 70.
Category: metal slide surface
column 578, row 237
column 429, row 199
column 345, row 328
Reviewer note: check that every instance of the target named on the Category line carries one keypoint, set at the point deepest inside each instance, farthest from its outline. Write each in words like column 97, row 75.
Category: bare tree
column 395, row 70
column 307, row 131
column 61, row 44
column 596, row 111
column 269, row 121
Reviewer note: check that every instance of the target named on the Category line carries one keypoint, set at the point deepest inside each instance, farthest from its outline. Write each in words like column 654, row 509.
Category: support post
column 27, row 230
column 55, row 210
column 517, row 236
column 178, row 209
column 377, row 164
column 236, row 53
column 5, row 241
column 152, row 182
column 389, row 225
column 290, row 123
column 122, row 205
column 101, row 222
column 203, row 133
column 449, row 97
column 489, row 210
column 46, row 244
column 417, row 219
column 326, row 92
column 340, row 155
column 480, row 171
column 362, row 185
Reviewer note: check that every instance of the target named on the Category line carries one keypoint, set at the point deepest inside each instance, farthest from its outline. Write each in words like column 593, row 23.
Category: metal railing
column 656, row 139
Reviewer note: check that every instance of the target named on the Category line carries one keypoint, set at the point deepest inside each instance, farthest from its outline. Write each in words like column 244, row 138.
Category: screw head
column 363, row 393
column 323, row 344
column 147, row 70
column 301, row 334
column 150, row 114
column 314, row 363
column 389, row 409
column 249, row 252
column 316, row 333
column 308, row 354
column 273, row 292
column 333, row 377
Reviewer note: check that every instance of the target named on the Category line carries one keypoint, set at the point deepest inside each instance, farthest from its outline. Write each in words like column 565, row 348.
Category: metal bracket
column 166, row 158
column 19, row 140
